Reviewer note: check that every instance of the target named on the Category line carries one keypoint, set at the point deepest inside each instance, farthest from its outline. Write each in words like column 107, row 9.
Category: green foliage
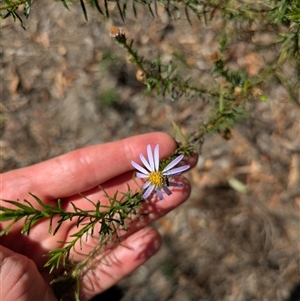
column 109, row 220
column 238, row 87
column 294, row 13
column 108, row 97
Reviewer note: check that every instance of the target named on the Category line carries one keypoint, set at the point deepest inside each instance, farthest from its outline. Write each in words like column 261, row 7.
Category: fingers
column 150, row 211
column 119, row 262
column 81, row 169
column 20, row 279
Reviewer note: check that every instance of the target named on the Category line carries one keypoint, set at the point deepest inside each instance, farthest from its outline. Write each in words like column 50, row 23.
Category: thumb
column 20, row 279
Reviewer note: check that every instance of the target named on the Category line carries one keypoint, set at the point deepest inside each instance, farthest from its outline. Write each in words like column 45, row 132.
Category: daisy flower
column 158, row 180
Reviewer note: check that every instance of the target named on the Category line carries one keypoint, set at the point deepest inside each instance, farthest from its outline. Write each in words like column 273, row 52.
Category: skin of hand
column 22, row 275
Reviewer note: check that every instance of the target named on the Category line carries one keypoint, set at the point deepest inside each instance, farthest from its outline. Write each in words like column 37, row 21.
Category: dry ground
column 65, row 84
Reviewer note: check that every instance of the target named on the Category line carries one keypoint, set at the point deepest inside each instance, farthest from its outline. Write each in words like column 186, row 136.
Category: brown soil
column 66, row 84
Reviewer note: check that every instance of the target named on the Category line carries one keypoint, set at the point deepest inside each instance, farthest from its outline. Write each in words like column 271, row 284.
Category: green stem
column 12, row 5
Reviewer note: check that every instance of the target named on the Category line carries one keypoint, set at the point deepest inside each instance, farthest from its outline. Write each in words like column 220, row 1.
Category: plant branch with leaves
column 83, row 233
column 229, row 95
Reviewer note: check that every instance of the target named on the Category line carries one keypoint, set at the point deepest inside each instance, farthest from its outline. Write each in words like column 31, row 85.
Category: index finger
column 81, row 169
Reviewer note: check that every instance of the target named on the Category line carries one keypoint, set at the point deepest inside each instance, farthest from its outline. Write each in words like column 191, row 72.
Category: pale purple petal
column 141, row 175
column 146, row 185
column 173, row 163
column 139, row 168
column 159, row 194
column 150, row 157
column 148, row 191
column 173, row 184
column 167, row 190
column 152, row 165
column 145, row 162
column 156, row 157
column 176, row 171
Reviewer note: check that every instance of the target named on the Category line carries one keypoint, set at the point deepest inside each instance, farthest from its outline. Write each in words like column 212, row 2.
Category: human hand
column 83, row 170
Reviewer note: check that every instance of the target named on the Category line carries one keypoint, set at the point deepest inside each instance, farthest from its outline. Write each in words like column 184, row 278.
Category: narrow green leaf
column 84, row 9
column 64, row 2
column 20, row 205
column 120, row 11
column 43, row 205
column 187, row 15
column 134, row 9
column 150, row 9
column 98, row 7
column 106, row 8
column 6, row 230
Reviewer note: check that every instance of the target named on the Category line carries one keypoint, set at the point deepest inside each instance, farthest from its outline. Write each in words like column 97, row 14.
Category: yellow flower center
column 156, row 178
